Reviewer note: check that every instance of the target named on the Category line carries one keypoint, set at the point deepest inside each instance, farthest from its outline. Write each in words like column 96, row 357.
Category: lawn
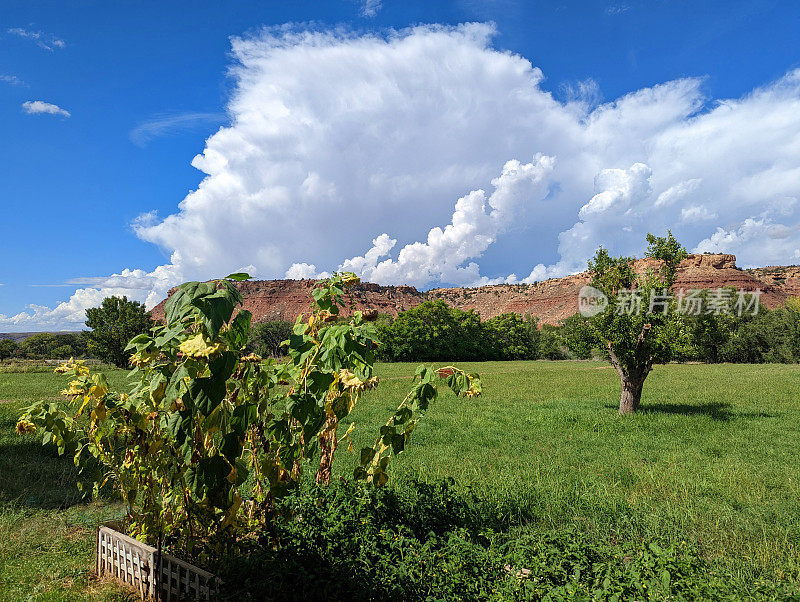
column 711, row 458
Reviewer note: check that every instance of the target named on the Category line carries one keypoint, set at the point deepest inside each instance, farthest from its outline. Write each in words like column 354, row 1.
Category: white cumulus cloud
column 39, row 107
column 350, row 151
column 472, row 229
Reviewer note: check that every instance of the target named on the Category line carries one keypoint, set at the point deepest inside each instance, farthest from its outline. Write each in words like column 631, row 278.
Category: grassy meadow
column 712, row 458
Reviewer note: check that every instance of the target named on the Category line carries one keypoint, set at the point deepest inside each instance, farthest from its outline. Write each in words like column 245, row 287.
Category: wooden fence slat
column 152, row 574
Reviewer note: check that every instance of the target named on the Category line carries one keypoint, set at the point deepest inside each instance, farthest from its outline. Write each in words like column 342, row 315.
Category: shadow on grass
column 36, row 476
column 716, row 410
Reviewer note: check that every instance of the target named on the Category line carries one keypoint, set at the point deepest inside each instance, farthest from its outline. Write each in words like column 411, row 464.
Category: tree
column 578, row 337
column 113, row 325
column 639, row 326
column 433, row 331
column 266, row 338
column 7, row 349
column 51, row 345
column 512, row 337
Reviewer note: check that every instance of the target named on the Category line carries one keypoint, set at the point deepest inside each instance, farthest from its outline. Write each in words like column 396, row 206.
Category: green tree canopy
column 640, row 326
column 113, row 325
column 433, row 331
column 7, row 349
column 512, row 337
column 266, row 338
column 53, row 345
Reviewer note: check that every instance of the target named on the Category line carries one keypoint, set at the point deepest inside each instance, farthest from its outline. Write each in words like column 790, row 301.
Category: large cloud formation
column 341, row 146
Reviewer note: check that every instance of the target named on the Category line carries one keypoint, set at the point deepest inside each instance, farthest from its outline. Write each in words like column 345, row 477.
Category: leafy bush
column 511, row 337
column 433, row 331
column 266, row 338
column 49, row 345
column 578, row 338
column 771, row 336
column 419, row 541
column 7, row 348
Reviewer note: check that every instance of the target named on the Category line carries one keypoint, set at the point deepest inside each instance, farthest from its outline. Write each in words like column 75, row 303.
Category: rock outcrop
column 550, row 301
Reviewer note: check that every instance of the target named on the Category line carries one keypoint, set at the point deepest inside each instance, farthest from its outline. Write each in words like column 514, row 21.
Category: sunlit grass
column 712, row 457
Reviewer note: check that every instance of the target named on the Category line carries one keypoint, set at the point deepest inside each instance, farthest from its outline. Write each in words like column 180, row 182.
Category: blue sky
column 137, row 88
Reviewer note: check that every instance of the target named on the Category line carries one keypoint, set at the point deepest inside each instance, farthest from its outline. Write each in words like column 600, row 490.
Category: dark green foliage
column 510, row 337
column 433, row 331
column 266, row 338
column 113, row 324
column 771, row 336
column 7, row 348
column 551, row 344
column 581, row 340
column 420, row 541
column 49, row 345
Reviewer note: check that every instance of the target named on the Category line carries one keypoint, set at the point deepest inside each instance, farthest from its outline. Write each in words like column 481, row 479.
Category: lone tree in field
column 640, row 326
column 113, row 325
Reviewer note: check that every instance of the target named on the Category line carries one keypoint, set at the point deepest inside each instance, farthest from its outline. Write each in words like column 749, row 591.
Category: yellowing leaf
column 198, row 347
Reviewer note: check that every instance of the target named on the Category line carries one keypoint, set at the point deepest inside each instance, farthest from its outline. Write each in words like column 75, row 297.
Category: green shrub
column 419, row 541
column 266, row 338
column 510, row 337
column 433, row 331
column 7, row 348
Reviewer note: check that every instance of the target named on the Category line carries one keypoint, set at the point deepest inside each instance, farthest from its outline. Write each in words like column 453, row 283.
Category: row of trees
column 115, row 322
column 434, row 331
column 45, row 345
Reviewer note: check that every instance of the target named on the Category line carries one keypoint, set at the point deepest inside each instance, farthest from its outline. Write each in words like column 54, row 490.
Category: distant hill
column 550, row 301
column 21, row 336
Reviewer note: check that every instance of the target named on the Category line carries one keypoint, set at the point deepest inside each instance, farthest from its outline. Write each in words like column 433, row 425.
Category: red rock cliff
column 550, row 301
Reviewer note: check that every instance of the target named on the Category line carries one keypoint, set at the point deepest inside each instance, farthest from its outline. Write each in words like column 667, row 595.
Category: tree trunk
column 631, row 394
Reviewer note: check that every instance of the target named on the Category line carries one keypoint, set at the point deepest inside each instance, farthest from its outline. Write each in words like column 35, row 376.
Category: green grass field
column 712, row 458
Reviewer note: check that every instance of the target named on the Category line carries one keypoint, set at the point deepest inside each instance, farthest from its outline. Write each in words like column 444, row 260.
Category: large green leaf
column 223, row 365
column 231, row 447
column 308, row 412
column 175, row 387
column 179, row 305
column 209, row 479
column 239, row 328
column 238, row 276
column 242, row 417
column 179, row 425
column 216, row 310
column 207, row 393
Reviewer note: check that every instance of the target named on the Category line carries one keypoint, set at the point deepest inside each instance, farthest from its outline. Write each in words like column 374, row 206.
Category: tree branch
column 615, row 360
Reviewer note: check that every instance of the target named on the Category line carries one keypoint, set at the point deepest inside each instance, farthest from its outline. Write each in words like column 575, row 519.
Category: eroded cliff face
column 785, row 278
column 550, row 301
column 286, row 299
